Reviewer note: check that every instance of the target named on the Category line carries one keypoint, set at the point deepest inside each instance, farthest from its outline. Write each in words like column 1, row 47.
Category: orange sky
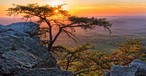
column 111, row 10
column 88, row 7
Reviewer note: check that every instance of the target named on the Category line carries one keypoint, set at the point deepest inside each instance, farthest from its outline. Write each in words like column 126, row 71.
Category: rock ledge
column 135, row 68
column 21, row 54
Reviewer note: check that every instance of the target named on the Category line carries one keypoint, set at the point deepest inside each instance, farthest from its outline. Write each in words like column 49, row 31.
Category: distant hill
column 123, row 28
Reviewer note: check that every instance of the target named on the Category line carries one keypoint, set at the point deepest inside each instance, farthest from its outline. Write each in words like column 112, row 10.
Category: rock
column 123, row 70
column 12, row 43
column 2, row 29
column 14, row 60
column 20, row 49
column 107, row 73
column 43, row 72
column 141, row 71
column 20, row 29
column 29, row 28
column 135, row 68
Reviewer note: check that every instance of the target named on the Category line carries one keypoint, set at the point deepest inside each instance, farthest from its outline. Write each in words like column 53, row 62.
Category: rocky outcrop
column 136, row 68
column 43, row 72
column 21, row 54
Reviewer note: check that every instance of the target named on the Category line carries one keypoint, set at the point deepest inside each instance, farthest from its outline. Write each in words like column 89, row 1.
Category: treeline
column 83, row 61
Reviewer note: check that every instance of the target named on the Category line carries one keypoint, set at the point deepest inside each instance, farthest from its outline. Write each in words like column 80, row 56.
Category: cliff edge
column 21, row 54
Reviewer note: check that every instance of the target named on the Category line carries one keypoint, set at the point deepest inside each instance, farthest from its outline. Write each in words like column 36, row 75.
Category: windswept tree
column 56, row 17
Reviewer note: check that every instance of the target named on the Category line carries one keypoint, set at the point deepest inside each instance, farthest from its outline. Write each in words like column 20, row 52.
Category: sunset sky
column 88, row 7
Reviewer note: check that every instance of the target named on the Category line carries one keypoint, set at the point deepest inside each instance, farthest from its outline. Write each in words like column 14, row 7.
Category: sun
column 55, row 2
column 56, row 11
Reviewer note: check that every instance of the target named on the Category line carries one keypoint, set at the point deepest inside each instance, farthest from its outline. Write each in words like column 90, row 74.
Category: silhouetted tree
column 56, row 17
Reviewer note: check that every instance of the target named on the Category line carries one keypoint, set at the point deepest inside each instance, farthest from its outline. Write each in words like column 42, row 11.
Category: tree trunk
column 67, row 64
column 50, row 44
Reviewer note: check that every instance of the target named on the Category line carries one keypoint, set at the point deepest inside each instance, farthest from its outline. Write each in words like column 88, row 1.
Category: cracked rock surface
column 21, row 54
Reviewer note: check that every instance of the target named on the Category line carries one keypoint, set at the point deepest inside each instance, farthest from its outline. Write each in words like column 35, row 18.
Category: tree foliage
column 83, row 61
column 128, row 51
column 56, row 17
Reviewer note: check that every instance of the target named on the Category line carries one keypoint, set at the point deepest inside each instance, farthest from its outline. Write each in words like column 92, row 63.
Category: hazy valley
column 123, row 27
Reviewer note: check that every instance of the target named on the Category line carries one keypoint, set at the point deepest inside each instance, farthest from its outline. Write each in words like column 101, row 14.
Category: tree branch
column 86, row 70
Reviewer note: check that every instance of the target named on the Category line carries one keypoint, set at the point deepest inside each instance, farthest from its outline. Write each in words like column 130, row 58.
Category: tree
column 81, row 60
column 56, row 17
column 84, row 61
column 128, row 51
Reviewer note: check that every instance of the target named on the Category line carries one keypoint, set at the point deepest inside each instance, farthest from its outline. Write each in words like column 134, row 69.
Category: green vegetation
column 84, row 62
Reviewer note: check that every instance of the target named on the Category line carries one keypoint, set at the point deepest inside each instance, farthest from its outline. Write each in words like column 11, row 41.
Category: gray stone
column 123, row 70
column 20, row 49
column 20, row 29
column 135, row 68
column 24, row 27
column 107, row 73
column 141, row 71
column 11, row 42
column 2, row 29
column 43, row 72
column 14, row 60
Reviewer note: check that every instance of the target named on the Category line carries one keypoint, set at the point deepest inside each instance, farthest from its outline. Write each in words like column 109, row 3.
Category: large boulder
column 11, row 61
column 21, row 52
column 21, row 28
column 43, row 72
column 2, row 29
column 135, row 68
column 124, row 70
column 141, row 70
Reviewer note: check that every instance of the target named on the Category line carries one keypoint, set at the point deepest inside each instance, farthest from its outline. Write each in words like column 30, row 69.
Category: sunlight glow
column 55, row 2
column 86, row 7
column 56, row 11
